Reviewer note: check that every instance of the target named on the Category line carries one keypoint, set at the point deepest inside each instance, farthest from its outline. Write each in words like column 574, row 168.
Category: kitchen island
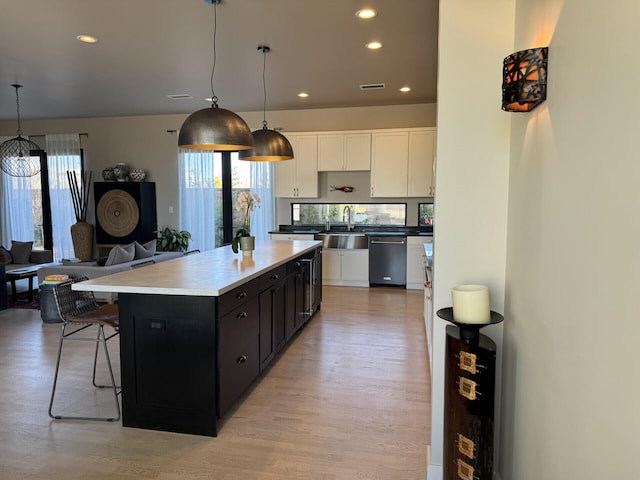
column 196, row 331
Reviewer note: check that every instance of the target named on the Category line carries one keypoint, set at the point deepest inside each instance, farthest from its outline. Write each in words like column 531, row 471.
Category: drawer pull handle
column 242, row 359
column 241, row 295
column 242, row 315
column 275, row 276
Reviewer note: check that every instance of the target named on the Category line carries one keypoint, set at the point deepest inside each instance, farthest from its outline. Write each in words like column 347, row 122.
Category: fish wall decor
column 344, row 189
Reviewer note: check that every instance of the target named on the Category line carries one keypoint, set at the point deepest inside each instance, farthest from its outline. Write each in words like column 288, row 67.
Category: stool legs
column 100, row 339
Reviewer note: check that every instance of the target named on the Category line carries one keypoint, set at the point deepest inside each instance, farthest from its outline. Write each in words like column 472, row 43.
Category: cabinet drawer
column 272, row 277
column 237, row 297
column 239, row 366
column 239, row 325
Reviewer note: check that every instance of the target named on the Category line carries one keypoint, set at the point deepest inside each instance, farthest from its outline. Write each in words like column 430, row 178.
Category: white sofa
column 93, row 270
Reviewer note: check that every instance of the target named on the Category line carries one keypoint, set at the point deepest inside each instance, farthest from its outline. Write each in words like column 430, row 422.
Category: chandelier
column 15, row 154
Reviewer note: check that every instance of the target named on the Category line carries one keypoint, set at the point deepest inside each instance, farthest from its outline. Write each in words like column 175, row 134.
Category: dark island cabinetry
column 167, row 347
column 186, row 359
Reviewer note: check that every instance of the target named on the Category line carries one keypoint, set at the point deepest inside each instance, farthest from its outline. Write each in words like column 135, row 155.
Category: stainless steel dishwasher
column 387, row 261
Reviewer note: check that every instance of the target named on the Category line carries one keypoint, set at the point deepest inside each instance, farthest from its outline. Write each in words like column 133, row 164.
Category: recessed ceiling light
column 366, row 13
column 405, row 89
column 87, row 39
column 374, row 45
column 303, row 95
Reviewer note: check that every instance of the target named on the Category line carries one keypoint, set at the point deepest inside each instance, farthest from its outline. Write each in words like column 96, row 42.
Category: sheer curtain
column 198, row 196
column 63, row 154
column 16, row 218
column 262, row 183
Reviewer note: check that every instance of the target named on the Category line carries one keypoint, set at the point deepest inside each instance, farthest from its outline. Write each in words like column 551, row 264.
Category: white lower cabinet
column 416, row 262
column 345, row 267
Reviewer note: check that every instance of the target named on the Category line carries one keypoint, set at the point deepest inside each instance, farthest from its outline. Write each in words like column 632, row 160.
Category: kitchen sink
column 343, row 240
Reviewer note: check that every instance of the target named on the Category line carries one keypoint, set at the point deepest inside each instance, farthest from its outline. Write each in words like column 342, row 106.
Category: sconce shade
column 16, row 159
column 268, row 146
column 524, row 80
column 215, row 129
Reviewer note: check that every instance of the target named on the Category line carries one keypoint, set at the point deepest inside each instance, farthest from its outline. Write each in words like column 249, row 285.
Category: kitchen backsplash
column 361, row 183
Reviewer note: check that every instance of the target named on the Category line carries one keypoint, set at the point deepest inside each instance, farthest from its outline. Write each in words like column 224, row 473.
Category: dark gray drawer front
column 272, row 277
column 238, row 296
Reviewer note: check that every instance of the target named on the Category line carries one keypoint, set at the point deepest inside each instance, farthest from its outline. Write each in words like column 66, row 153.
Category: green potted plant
column 172, row 240
column 245, row 203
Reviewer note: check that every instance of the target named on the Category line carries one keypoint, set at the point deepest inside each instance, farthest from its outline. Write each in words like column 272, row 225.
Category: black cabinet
column 272, row 313
column 168, row 352
column 239, row 351
column 125, row 211
column 296, row 314
column 185, row 360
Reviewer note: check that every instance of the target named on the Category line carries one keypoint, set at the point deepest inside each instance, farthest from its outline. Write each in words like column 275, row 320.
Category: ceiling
column 148, row 49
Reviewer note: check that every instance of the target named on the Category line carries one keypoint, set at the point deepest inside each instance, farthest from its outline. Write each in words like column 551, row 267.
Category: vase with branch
column 243, row 240
column 81, row 231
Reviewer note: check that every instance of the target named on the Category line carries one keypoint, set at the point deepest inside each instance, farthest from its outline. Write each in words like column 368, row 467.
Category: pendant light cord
column 16, row 86
column 264, row 87
column 214, row 99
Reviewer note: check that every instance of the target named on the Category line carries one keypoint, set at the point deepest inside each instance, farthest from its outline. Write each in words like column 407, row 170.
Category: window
column 425, row 214
column 389, row 214
column 209, row 185
column 25, row 203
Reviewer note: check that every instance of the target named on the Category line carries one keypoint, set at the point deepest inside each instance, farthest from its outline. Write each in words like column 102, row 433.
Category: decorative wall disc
column 118, row 213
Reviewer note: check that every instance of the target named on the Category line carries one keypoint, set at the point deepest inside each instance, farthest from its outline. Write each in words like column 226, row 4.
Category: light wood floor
column 349, row 399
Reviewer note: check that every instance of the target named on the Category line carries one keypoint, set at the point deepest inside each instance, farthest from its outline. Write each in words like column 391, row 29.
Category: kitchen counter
column 358, row 230
column 196, row 331
column 210, row 273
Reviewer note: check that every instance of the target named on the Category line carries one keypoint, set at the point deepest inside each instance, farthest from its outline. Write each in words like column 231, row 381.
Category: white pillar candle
column 471, row 304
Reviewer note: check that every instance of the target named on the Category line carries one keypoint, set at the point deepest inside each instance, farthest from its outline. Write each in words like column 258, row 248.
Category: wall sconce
column 524, row 80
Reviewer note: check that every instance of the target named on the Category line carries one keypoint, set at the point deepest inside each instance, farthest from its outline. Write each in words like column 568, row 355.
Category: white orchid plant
column 246, row 203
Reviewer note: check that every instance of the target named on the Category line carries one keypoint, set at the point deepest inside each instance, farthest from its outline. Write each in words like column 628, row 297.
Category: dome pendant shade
column 269, row 146
column 215, row 129
column 16, row 159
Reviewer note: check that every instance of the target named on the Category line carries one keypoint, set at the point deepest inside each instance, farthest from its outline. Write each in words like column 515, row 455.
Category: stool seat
column 106, row 315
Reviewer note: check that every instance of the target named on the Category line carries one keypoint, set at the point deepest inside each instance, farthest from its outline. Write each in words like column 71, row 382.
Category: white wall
column 471, row 172
column 145, row 142
column 570, row 397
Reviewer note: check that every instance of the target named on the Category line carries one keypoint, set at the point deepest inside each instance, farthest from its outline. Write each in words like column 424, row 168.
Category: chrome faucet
column 347, row 210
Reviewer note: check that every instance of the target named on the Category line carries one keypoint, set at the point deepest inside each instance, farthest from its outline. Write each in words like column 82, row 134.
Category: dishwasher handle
column 387, row 242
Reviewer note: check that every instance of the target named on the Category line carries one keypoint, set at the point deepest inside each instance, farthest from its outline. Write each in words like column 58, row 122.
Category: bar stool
column 79, row 311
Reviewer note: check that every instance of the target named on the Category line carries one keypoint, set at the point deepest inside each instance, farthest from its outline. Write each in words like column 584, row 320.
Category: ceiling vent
column 180, row 96
column 372, row 86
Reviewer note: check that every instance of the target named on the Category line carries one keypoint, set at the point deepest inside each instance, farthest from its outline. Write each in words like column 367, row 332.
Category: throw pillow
column 145, row 251
column 20, row 251
column 120, row 254
column 5, row 256
column 101, row 261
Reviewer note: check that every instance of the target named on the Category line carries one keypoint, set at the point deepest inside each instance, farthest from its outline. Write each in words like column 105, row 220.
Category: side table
column 19, row 274
column 48, row 308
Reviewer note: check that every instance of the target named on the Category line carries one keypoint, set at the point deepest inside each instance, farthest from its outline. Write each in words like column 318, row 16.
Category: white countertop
column 210, row 273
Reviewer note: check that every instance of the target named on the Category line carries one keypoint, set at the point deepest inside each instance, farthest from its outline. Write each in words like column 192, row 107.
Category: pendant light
column 269, row 145
column 215, row 128
column 15, row 154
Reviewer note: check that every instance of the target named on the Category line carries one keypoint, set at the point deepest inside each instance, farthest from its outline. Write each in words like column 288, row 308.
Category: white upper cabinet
column 402, row 163
column 389, row 160
column 342, row 152
column 299, row 177
column 420, row 165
